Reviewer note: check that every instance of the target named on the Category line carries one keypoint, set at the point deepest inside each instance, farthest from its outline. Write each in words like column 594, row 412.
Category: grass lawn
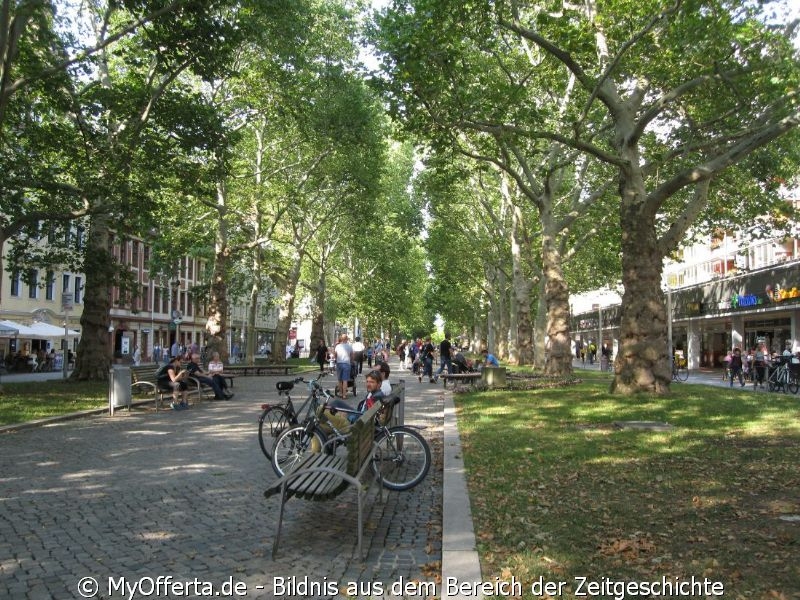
column 559, row 493
column 26, row 401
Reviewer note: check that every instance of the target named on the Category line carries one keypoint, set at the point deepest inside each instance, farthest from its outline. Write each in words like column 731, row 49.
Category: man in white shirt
column 344, row 356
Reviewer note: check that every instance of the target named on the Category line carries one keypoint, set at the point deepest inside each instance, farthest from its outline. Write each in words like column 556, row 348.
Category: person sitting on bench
column 216, row 383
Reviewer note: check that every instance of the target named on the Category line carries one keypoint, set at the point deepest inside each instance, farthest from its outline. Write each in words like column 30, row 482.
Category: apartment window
column 49, row 285
column 190, row 269
column 64, row 284
column 33, row 285
column 80, row 237
column 15, row 284
column 78, row 289
column 135, row 254
column 123, row 251
column 146, row 253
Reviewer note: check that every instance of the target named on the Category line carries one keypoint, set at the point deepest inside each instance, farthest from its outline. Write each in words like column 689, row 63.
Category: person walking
column 322, row 354
column 445, row 360
column 735, row 366
column 344, row 357
column 426, row 357
column 358, row 355
column 759, row 366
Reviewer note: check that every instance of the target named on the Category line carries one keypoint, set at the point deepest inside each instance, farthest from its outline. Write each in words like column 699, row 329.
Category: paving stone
column 147, row 494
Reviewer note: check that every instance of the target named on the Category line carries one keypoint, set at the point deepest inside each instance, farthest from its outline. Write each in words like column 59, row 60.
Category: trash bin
column 494, row 376
column 119, row 387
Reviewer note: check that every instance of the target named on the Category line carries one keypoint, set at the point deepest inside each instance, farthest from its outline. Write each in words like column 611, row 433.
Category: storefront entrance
column 773, row 332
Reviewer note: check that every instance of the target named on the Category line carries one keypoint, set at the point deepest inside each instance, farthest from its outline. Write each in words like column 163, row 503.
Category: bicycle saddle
column 284, row 386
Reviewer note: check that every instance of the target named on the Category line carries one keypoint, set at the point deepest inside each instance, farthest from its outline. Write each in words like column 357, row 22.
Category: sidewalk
column 180, row 494
column 704, row 376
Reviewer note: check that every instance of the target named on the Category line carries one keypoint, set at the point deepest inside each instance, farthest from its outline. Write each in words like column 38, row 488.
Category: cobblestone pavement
column 180, row 494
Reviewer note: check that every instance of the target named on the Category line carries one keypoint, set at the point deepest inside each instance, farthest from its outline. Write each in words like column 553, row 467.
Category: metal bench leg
column 360, row 517
column 280, row 523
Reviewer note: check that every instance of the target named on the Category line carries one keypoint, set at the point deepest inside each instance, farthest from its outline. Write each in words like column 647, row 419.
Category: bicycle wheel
column 292, row 446
column 403, row 458
column 271, row 424
column 681, row 373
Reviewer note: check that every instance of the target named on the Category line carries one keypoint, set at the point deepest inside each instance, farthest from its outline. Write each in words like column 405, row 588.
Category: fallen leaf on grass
column 628, row 548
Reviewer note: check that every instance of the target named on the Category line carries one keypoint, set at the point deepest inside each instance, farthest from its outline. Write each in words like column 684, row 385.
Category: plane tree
column 664, row 96
column 461, row 85
column 98, row 99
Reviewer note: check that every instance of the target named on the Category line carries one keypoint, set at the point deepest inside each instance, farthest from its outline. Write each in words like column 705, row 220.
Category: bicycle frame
column 309, row 405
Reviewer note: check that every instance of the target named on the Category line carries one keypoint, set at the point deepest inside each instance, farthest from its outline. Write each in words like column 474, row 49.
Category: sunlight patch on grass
column 557, row 492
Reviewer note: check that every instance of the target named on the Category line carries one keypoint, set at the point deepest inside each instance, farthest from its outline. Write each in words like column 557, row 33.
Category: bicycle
column 403, row 458
column 276, row 418
column 782, row 379
column 680, row 371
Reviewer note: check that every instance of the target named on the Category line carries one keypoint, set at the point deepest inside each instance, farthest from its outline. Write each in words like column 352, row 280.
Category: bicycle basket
column 284, row 386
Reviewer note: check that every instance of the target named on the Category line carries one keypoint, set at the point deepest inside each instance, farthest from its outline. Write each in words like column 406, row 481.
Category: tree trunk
column 642, row 363
column 522, row 293
column 93, row 358
column 559, row 354
column 502, row 315
column 318, row 313
column 286, row 313
column 540, row 325
column 217, row 321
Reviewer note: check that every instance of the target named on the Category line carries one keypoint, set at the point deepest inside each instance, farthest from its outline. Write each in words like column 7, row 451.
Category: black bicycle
column 277, row 418
column 403, row 458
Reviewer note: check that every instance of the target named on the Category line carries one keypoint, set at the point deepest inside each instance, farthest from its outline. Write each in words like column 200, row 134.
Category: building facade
column 728, row 292
column 163, row 309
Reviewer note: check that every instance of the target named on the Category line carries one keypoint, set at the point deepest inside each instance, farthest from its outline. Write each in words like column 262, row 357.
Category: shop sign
column 773, row 294
column 781, row 294
column 745, row 301
column 694, row 308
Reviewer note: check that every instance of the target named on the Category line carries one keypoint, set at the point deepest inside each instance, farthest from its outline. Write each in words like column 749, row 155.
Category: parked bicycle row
column 776, row 372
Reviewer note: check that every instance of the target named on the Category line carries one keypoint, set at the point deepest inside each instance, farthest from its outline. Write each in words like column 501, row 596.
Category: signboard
column 67, row 300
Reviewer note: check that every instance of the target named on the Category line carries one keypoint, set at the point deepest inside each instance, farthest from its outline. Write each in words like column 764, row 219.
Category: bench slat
column 319, row 482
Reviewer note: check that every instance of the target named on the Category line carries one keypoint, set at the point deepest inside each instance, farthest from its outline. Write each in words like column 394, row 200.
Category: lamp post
column 175, row 284
column 670, row 356
column 110, row 343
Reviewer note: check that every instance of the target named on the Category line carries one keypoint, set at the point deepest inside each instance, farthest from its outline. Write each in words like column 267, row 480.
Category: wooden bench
column 468, row 377
column 322, row 476
column 144, row 380
column 258, row 369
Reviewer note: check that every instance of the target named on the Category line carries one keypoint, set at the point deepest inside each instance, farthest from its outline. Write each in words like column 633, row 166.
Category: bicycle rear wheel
column 681, row 373
column 271, row 424
column 292, row 446
column 403, row 458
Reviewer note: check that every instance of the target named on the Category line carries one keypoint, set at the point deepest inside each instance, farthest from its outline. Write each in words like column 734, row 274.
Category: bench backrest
column 398, row 392
column 361, row 439
column 143, row 373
